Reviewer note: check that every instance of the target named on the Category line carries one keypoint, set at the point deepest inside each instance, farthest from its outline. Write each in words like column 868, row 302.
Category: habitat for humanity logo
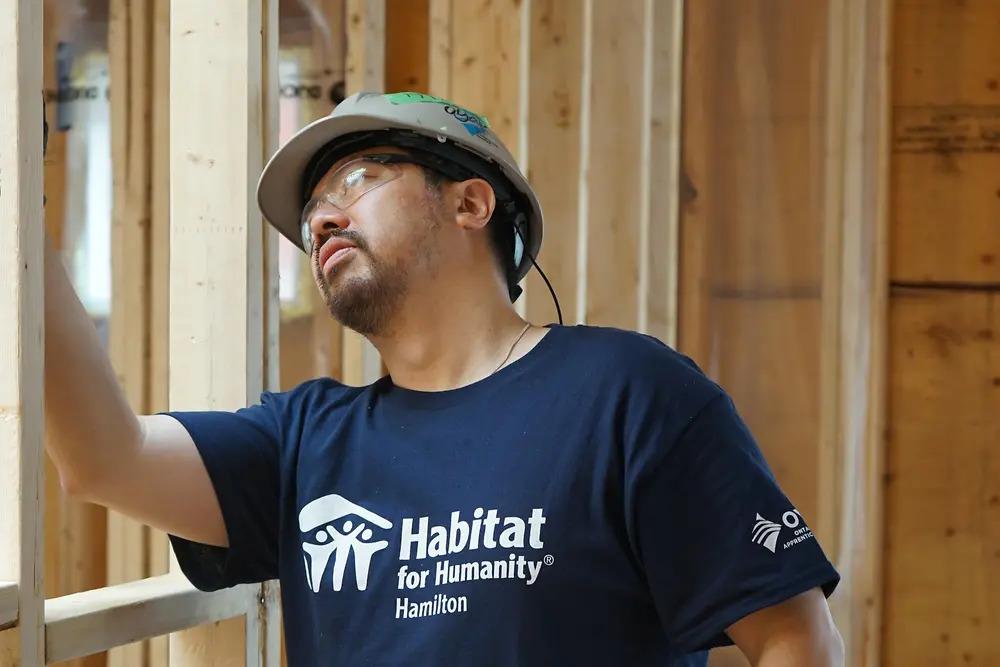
column 766, row 533
column 431, row 556
column 339, row 540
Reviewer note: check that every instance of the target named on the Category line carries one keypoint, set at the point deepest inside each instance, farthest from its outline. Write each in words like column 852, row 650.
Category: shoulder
column 647, row 386
column 639, row 360
column 311, row 395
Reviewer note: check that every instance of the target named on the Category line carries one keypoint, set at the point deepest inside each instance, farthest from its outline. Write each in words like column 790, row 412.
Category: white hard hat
column 411, row 120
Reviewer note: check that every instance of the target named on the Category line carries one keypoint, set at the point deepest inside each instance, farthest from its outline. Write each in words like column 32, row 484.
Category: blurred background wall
column 803, row 196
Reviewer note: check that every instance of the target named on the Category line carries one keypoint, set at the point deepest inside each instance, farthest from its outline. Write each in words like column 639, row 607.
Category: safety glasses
column 351, row 181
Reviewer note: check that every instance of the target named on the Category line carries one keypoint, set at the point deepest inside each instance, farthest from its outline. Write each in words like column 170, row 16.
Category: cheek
column 394, row 225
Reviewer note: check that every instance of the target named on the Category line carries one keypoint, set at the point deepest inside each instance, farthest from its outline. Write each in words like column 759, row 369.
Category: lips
column 331, row 247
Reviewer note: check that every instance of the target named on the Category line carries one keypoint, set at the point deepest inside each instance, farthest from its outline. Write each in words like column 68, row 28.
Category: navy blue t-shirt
column 597, row 502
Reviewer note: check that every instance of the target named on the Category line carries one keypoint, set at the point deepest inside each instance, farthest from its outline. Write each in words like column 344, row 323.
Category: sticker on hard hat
column 463, row 115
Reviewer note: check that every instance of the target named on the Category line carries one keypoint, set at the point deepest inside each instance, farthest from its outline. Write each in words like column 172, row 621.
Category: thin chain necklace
column 513, row 345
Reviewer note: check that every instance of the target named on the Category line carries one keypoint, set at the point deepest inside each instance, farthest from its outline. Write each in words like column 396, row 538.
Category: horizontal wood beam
column 8, row 603
column 93, row 621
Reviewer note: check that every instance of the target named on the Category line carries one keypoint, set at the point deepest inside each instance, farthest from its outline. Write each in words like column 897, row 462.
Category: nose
column 325, row 220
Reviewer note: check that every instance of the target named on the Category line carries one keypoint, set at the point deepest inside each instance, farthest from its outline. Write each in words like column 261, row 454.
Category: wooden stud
column 365, row 67
column 661, row 147
column 268, row 603
column 130, row 69
column 485, row 68
column 854, row 317
column 269, row 113
column 22, row 337
column 327, row 334
column 365, row 72
column 55, row 157
column 583, row 200
column 75, row 531
column 310, row 341
column 83, row 562
column 407, row 51
column 613, row 174
column 58, row 523
column 159, row 308
column 553, row 130
column 439, row 49
column 216, row 276
column 489, row 70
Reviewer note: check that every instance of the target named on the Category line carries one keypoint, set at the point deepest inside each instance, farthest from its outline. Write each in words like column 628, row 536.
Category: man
column 509, row 494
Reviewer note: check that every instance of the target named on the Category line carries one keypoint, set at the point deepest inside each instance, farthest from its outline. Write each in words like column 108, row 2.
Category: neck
column 449, row 338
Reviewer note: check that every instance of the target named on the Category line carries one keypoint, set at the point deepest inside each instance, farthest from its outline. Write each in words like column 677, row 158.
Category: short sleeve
column 715, row 535
column 241, row 453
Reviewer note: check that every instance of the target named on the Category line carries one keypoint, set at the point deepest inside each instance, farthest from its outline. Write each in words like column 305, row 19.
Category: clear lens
column 307, row 237
column 343, row 187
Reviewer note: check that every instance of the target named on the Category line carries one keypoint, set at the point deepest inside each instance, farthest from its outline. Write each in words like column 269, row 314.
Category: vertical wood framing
column 365, row 72
column 56, row 168
column 661, row 145
column 553, row 130
column 579, row 313
column 407, row 51
column 439, row 49
column 216, row 275
column 129, row 37
column 488, row 69
column 327, row 333
column 75, row 531
column 855, row 285
column 485, row 67
column 613, row 177
column 75, row 534
column 365, row 45
column 268, row 612
column 22, row 336
column 159, row 262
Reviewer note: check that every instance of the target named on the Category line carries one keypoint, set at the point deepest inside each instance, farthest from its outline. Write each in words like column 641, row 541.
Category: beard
column 367, row 300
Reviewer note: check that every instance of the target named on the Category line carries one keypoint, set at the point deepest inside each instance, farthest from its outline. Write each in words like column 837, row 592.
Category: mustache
column 348, row 235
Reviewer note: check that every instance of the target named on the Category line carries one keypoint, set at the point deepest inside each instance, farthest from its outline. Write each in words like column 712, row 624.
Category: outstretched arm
column 145, row 467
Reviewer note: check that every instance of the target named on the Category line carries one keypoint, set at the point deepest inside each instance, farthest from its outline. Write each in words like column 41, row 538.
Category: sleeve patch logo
column 766, row 532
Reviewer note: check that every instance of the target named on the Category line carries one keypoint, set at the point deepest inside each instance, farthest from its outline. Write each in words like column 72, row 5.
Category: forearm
column 90, row 427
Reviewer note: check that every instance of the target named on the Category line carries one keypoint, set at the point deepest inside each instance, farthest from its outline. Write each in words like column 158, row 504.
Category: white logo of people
column 335, row 527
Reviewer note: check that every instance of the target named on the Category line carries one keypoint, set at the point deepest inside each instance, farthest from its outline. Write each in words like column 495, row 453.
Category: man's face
column 393, row 229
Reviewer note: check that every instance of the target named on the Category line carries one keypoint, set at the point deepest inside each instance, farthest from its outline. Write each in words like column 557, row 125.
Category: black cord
column 517, row 230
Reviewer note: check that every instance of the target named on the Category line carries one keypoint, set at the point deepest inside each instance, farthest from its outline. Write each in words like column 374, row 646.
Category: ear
column 476, row 203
